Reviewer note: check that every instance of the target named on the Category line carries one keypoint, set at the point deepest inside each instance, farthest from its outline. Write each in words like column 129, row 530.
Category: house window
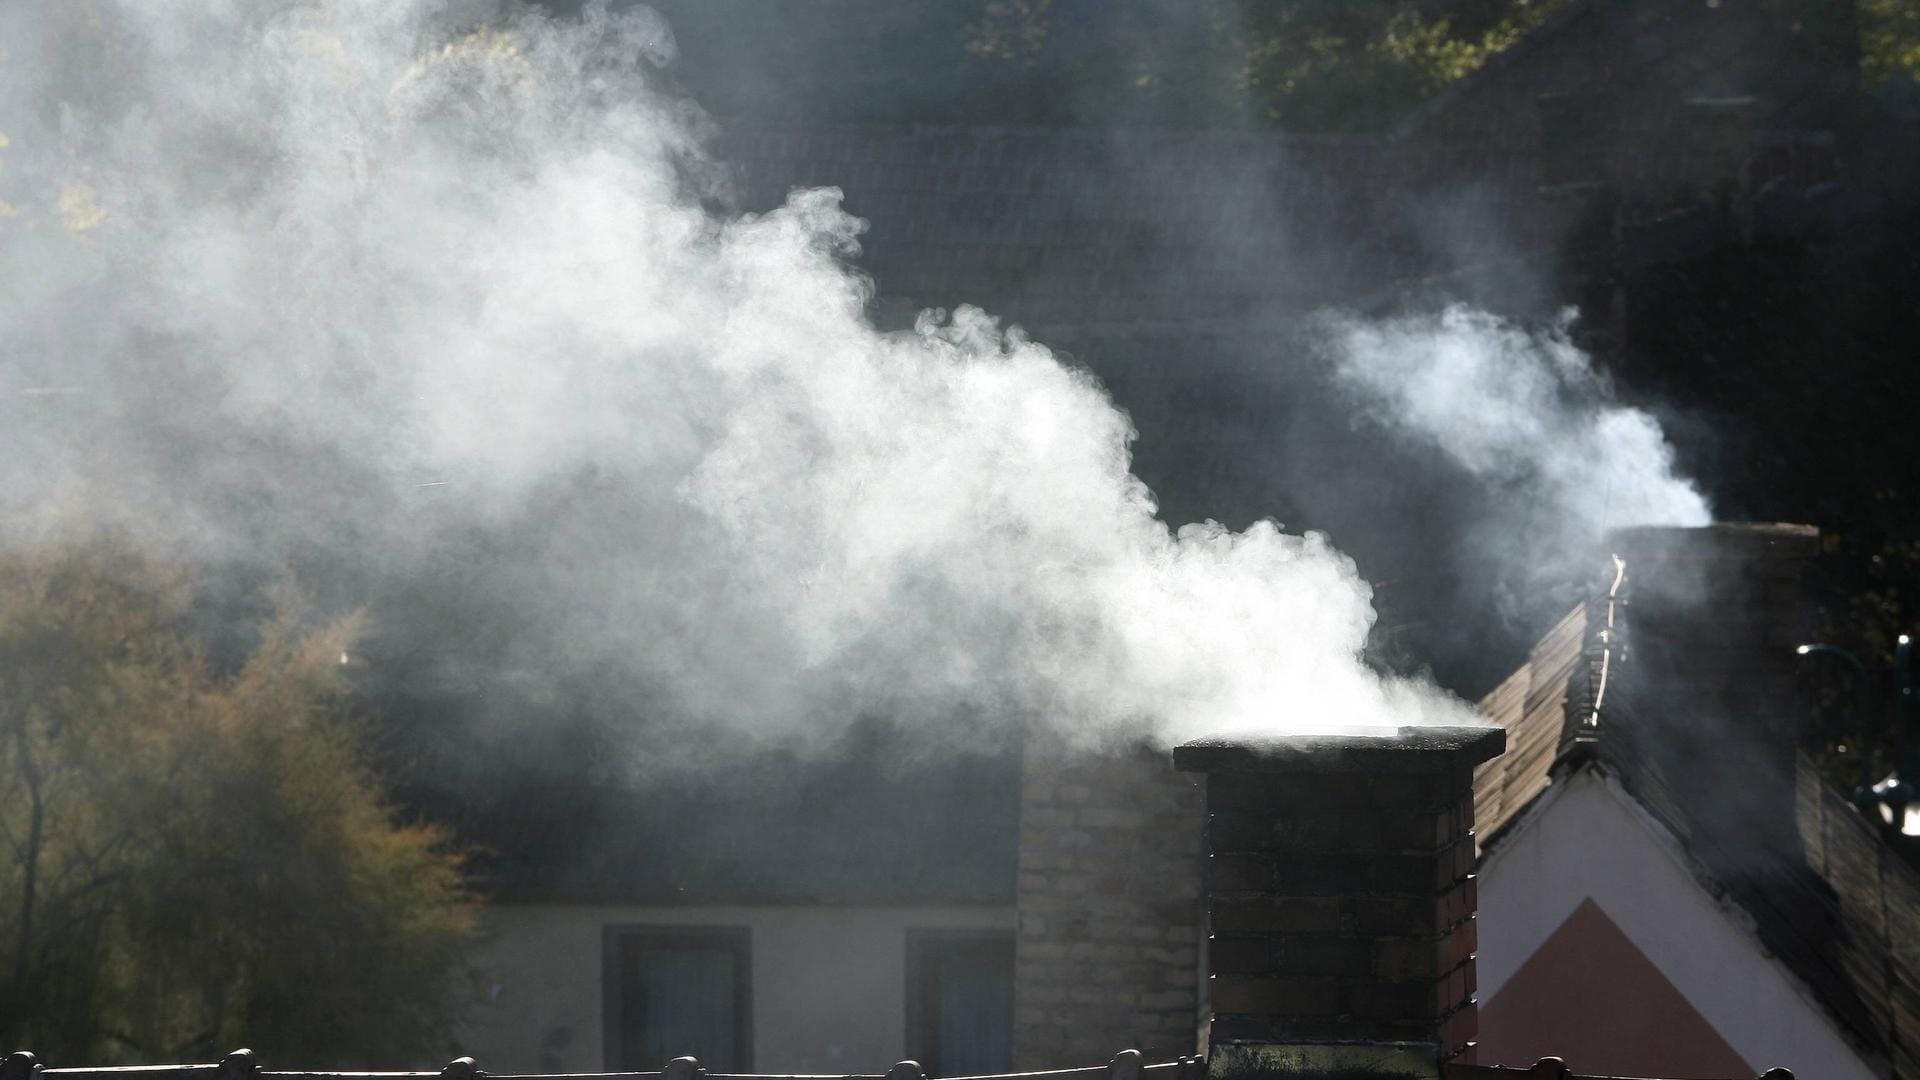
column 672, row 991
column 960, row 1001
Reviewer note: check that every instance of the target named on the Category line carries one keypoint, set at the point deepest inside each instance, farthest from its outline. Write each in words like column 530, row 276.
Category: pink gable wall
column 1587, row 995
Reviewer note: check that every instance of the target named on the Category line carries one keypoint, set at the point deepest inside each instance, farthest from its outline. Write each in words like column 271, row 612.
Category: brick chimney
column 1340, row 900
column 1731, row 596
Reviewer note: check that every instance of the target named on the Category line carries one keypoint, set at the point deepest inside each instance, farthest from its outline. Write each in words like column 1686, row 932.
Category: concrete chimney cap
column 1402, row 750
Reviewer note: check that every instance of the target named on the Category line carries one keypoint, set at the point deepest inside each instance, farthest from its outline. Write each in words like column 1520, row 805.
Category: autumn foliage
column 193, row 856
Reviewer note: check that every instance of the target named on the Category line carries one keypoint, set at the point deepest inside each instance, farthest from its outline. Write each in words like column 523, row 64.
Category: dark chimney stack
column 1340, row 898
column 1724, row 599
column 1701, row 690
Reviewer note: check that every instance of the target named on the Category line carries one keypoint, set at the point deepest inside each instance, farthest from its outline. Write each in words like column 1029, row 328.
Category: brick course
column 1340, row 890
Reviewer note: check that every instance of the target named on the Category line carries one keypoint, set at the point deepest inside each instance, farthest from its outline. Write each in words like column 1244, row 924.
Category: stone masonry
column 1107, row 955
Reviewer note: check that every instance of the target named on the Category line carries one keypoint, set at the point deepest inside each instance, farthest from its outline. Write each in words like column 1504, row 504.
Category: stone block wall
column 1107, row 954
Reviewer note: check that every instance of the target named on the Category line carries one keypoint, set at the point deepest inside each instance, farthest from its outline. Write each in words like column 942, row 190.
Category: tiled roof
column 861, row 830
column 1533, row 705
column 1496, row 69
column 1873, row 895
column 1831, row 900
column 1076, row 230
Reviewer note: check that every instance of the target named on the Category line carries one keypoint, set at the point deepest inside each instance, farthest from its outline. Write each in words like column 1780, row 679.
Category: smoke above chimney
column 1526, row 414
column 357, row 282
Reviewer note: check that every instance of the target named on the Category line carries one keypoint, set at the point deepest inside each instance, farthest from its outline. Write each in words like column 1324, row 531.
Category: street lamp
column 1895, row 799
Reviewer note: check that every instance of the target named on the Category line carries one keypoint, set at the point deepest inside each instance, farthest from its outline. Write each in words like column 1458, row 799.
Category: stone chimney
column 1107, row 951
column 1340, row 901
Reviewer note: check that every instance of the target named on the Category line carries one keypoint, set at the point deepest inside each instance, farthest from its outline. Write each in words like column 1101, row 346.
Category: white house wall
column 828, row 983
column 1588, row 839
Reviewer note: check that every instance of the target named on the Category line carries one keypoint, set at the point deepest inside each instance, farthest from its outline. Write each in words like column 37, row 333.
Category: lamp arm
column 1860, row 682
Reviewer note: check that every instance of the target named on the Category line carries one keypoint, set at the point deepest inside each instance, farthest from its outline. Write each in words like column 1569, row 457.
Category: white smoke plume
column 1526, row 413
column 375, row 277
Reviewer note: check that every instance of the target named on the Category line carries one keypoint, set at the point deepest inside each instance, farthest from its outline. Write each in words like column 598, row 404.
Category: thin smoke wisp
column 1557, row 460
column 1521, row 409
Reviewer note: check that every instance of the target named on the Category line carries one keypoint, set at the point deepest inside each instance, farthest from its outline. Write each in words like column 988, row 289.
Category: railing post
column 1548, row 1068
column 20, row 1065
column 242, row 1064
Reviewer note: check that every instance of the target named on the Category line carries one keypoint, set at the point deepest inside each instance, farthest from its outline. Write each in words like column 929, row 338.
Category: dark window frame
column 615, row 936
column 921, row 944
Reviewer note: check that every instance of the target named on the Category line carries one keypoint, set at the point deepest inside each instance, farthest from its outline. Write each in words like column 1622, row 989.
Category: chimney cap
column 1721, row 540
column 1402, row 750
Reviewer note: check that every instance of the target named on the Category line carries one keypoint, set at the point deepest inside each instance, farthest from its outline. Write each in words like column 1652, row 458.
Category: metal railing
column 1126, row 1065
column 1552, row 1068
column 245, row 1065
